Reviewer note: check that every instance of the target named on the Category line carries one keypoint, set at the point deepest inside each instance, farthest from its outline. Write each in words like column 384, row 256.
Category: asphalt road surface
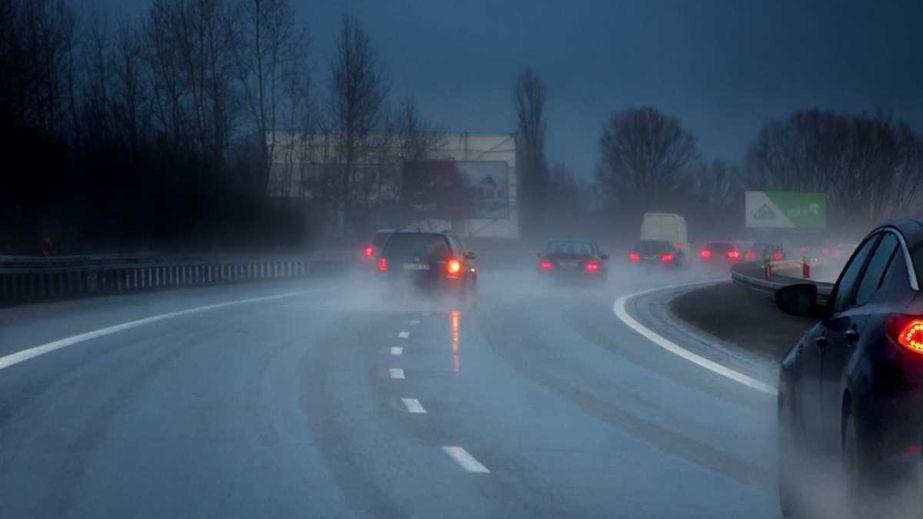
column 323, row 398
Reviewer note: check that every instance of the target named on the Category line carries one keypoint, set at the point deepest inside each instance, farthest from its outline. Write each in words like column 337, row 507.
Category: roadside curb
column 648, row 310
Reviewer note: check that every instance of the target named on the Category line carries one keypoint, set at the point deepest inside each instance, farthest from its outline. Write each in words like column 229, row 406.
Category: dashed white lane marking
column 413, row 322
column 397, row 350
column 465, row 460
column 618, row 308
column 397, row 373
column 413, row 406
column 403, row 335
column 36, row 351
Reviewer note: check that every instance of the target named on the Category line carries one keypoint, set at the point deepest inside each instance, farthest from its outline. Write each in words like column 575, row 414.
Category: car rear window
column 654, row 247
column 417, row 244
column 380, row 238
column 569, row 247
column 719, row 246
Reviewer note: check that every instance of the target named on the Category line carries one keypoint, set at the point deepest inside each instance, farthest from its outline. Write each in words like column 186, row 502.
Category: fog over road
column 328, row 401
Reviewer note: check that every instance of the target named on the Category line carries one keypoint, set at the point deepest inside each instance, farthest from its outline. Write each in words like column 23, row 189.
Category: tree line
column 870, row 166
column 162, row 130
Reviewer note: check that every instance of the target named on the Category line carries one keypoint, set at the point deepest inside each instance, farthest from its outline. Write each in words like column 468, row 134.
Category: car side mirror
column 799, row 299
column 604, row 257
column 470, row 255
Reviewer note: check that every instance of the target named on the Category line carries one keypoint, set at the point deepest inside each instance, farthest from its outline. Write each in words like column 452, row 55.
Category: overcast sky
column 722, row 67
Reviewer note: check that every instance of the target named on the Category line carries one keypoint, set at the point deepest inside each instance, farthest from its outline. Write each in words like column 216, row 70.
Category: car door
column 861, row 316
column 812, row 350
column 843, row 328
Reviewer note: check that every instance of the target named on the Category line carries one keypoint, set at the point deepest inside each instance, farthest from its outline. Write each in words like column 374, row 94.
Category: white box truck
column 660, row 227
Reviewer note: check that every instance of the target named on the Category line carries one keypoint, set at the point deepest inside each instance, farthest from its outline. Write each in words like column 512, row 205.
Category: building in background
column 464, row 181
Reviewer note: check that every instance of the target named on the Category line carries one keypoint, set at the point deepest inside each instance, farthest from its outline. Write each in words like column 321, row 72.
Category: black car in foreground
column 849, row 397
column 573, row 260
column 428, row 261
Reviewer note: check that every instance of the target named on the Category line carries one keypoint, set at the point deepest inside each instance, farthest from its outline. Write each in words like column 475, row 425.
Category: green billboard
column 785, row 210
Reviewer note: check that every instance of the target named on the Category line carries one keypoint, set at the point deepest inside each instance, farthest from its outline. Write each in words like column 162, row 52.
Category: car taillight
column 825, row 250
column 667, row 258
column 369, row 251
column 733, row 254
column 453, row 266
column 836, row 253
column 907, row 331
column 778, row 256
column 591, row 266
column 751, row 255
column 382, row 264
column 545, row 264
column 705, row 254
column 634, row 256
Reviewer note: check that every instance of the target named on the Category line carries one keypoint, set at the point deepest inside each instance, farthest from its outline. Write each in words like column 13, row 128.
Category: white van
column 667, row 227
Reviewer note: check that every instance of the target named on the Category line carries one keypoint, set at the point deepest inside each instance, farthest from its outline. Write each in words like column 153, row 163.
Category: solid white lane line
column 397, row 350
column 465, row 460
column 397, row 373
column 403, row 335
column 36, row 351
column 414, row 322
column 618, row 308
column 413, row 406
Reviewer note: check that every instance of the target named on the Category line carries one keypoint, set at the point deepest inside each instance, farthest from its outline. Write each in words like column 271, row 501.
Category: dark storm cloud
column 723, row 67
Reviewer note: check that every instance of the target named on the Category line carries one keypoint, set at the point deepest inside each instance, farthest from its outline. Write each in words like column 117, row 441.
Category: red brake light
column 369, row 251
column 751, row 255
column 453, row 266
column 733, row 254
column 667, row 258
column 778, row 256
column 836, row 253
column 907, row 331
column 382, row 264
column 705, row 254
column 634, row 256
column 546, row 264
column 591, row 266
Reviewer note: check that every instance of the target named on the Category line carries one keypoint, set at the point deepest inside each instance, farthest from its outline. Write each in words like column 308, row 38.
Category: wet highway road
column 316, row 398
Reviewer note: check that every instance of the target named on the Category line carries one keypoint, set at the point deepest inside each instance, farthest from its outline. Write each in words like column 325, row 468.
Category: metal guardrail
column 752, row 275
column 26, row 279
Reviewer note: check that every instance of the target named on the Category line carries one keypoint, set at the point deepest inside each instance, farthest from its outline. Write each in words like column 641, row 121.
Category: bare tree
column 868, row 165
column 271, row 48
column 533, row 170
column 643, row 152
column 357, row 92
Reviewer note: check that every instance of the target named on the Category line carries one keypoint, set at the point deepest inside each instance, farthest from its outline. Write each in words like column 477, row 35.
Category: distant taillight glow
column 546, row 264
column 705, row 254
column 382, row 264
column 778, row 256
column 836, row 253
column 825, row 250
column 591, row 266
column 751, row 255
column 667, row 258
column 733, row 254
column 908, row 332
column 369, row 251
column 804, row 250
column 634, row 256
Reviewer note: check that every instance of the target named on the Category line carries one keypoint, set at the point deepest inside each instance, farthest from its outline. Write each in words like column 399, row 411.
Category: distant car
column 719, row 252
column 573, row 260
column 657, row 252
column 373, row 247
column 851, row 391
column 428, row 261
